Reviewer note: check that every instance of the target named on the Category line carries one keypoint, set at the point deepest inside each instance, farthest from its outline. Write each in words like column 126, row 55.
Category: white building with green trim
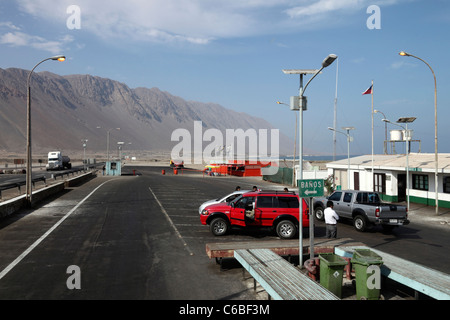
column 386, row 174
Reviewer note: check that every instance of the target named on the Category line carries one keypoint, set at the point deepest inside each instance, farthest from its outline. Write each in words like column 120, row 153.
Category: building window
column 446, row 184
column 380, row 182
column 420, row 182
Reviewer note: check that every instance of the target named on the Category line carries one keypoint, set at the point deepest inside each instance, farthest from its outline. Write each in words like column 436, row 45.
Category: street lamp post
column 405, row 120
column 295, row 146
column 84, row 153
column 348, row 149
column 119, row 150
column 300, row 103
column 385, row 131
column 107, row 143
column 28, row 187
column 405, row 54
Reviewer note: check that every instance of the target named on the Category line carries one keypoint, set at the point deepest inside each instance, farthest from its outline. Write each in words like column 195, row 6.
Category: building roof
column 424, row 162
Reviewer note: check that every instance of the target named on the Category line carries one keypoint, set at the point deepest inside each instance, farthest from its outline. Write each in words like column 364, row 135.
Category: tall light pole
column 405, row 120
column 84, row 153
column 119, row 150
column 335, row 112
column 28, row 192
column 405, row 54
column 300, row 103
column 349, row 139
column 107, row 142
column 385, row 131
column 295, row 146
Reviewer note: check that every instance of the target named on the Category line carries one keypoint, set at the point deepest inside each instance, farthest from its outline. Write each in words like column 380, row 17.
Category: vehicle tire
column 318, row 213
column 360, row 223
column 286, row 229
column 218, row 227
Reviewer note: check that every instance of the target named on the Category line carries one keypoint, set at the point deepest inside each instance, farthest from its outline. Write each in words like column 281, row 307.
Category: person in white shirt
column 331, row 219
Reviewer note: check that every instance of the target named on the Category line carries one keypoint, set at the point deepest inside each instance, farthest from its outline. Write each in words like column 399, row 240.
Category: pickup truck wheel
column 286, row 229
column 218, row 227
column 318, row 212
column 360, row 223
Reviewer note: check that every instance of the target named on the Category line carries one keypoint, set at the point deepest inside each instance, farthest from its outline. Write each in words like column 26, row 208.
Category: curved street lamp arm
column 318, row 71
column 59, row 58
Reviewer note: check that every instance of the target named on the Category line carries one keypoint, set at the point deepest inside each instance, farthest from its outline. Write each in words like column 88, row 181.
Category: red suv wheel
column 286, row 229
column 218, row 226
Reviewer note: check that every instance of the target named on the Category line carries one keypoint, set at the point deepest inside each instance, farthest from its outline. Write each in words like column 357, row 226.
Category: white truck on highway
column 56, row 161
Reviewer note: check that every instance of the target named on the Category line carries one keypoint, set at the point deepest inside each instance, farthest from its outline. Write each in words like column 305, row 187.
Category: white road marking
column 38, row 241
column 171, row 223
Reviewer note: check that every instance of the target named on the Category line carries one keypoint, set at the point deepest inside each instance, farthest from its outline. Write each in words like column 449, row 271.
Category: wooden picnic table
column 220, row 250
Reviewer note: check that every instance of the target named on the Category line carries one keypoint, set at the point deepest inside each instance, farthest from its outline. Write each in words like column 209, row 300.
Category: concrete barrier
column 13, row 205
column 80, row 179
column 46, row 192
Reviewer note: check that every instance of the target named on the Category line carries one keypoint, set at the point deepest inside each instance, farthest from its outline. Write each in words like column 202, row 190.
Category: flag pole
column 373, row 174
column 335, row 113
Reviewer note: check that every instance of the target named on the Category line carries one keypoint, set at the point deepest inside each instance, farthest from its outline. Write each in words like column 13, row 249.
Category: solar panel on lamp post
column 302, row 105
column 436, row 167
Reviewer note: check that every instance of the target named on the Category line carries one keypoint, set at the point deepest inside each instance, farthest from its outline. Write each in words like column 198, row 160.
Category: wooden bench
column 280, row 279
column 422, row 279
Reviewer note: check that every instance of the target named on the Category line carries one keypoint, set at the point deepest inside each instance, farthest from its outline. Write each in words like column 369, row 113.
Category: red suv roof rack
column 274, row 191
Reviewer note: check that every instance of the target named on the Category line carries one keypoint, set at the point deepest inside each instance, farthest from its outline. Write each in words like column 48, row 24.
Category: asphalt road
column 140, row 237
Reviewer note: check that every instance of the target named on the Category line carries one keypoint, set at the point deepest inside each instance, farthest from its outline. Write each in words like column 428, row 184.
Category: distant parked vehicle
column 176, row 163
column 224, row 199
column 57, row 161
column 364, row 208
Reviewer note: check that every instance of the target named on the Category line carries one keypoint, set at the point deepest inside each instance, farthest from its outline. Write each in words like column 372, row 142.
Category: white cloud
column 359, row 60
column 401, row 64
column 9, row 25
column 20, row 39
column 193, row 21
column 13, row 35
column 157, row 20
column 323, row 7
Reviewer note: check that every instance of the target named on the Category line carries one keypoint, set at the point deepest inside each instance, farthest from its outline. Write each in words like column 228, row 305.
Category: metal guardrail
column 19, row 184
column 68, row 172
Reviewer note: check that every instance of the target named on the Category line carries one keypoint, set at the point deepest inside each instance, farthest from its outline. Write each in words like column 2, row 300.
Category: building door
column 355, row 180
column 401, row 187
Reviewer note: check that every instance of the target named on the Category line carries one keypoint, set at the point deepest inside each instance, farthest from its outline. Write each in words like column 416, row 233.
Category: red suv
column 274, row 209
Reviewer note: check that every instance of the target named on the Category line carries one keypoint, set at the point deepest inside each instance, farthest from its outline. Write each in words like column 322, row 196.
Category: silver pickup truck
column 364, row 208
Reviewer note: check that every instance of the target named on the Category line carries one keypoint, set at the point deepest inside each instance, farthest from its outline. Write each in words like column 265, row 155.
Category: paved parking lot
column 140, row 237
column 133, row 237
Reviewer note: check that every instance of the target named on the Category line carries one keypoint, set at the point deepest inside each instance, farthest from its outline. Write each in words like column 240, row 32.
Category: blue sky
column 232, row 52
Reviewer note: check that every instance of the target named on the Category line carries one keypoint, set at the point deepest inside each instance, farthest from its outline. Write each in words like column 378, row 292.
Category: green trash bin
column 331, row 272
column 362, row 259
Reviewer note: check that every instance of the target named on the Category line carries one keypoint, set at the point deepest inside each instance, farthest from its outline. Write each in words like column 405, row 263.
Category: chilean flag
column 368, row 91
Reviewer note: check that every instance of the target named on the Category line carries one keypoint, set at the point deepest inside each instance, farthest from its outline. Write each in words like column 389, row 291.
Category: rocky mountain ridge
column 68, row 109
